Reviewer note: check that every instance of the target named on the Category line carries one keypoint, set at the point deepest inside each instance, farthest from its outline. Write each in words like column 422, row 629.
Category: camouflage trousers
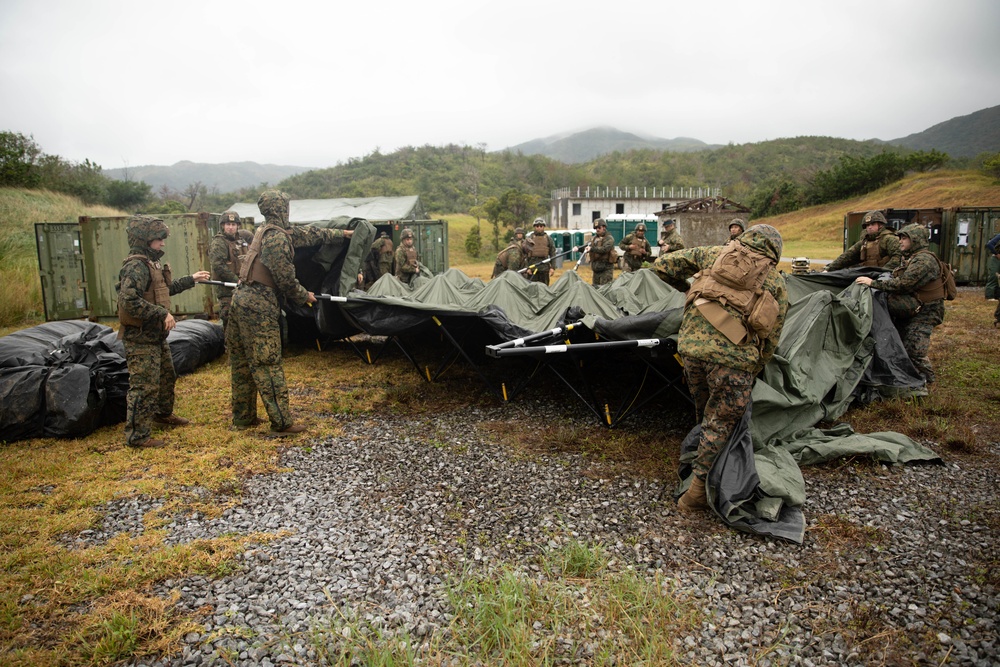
column 540, row 275
column 916, row 336
column 225, row 303
column 151, row 380
column 603, row 276
column 992, row 286
column 253, row 338
column 721, row 395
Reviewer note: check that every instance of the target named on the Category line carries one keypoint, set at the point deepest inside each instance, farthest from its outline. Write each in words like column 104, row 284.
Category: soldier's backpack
column 948, row 281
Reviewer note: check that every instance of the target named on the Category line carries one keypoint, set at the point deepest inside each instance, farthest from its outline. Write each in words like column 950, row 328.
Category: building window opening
column 576, row 209
column 619, row 208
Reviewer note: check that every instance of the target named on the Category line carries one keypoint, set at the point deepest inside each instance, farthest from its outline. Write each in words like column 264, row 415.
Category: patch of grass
column 509, row 618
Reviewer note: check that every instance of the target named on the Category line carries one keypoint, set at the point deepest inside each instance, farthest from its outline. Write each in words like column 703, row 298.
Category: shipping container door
column 431, row 240
column 60, row 264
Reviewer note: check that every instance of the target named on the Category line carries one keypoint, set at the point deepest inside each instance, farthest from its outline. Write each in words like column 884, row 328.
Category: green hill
column 963, row 136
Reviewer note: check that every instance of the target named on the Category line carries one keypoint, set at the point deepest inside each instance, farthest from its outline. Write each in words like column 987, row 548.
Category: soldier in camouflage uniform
column 916, row 296
column 670, row 239
column 144, row 290
column 379, row 261
column 225, row 255
column 637, row 248
column 511, row 258
column 538, row 248
column 723, row 347
column 878, row 247
column 736, row 227
column 267, row 280
column 407, row 258
column 602, row 254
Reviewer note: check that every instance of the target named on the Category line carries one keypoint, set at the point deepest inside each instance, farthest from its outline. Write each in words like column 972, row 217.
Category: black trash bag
column 22, row 406
column 74, row 402
column 29, row 347
column 195, row 342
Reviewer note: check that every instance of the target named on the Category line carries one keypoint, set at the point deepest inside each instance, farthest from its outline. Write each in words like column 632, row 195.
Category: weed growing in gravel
column 511, row 618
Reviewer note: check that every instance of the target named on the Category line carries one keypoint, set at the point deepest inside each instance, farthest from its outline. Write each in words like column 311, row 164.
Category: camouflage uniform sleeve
column 135, row 279
column 552, row 246
column 402, row 265
column 218, row 258
column 921, row 269
column 625, row 242
column 849, row 257
column 276, row 253
column 648, row 248
column 775, row 284
column 181, row 284
column 675, row 268
column 678, row 243
column 307, row 236
column 889, row 247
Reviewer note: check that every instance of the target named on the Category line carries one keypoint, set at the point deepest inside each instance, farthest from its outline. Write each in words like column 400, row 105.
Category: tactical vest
column 158, row 292
column 503, row 257
column 736, row 279
column 636, row 247
column 386, row 247
column 871, row 254
column 411, row 256
column 236, row 257
column 253, row 270
column 539, row 246
column 601, row 255
column 933, row 289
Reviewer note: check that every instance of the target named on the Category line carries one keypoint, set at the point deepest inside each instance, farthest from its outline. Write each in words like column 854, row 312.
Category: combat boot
column 294, row 429
column 694, row 498
column 170, row 420
column 149, row 443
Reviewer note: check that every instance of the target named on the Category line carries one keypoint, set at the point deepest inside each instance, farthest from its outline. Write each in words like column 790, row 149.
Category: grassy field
column 67, row 605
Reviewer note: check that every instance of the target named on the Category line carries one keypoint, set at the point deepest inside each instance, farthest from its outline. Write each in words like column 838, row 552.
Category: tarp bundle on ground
column 66, row 379
column 838, row 346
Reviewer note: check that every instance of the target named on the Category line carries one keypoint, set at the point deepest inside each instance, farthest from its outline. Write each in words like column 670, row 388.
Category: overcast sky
column 312, row 83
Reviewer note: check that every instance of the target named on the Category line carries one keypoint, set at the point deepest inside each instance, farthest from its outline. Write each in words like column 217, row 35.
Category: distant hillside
column 226, row 177
column 579, row 147
column 964, row 136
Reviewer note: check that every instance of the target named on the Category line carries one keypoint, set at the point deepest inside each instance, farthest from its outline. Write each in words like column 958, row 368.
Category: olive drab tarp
column 837, row 346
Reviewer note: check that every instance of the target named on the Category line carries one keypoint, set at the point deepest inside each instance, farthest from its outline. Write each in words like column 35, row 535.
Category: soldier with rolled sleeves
column 267, row 280
column 144, row 290
column 670, row 238
column 915, row 296
column 878, row 247
column 733, row 316
column 225, row 255
column 637, row 248
column 407, row 258
column 540, row 247
column 602, row 254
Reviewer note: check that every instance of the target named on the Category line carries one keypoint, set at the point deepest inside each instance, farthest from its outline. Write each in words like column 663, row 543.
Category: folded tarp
column 66, row 379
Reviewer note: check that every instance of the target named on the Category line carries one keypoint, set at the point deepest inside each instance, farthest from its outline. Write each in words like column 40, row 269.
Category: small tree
column 19, row 156
column 128, row 195
column 991, row 166
column 474, row 243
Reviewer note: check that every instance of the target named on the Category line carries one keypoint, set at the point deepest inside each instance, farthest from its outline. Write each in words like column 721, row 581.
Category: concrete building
column 577, row 208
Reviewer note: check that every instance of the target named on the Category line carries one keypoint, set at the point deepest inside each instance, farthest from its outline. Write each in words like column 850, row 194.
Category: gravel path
column 899, row 565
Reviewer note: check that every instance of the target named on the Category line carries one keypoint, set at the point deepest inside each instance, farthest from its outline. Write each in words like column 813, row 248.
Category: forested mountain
column 455, row 178
column 577, row 147
column 226, row 177
column 963, row 136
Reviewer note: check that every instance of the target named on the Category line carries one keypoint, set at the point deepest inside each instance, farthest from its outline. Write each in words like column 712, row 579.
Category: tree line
column 508, row 188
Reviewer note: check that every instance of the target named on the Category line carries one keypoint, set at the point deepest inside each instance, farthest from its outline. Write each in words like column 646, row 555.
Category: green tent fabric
column 835, row 333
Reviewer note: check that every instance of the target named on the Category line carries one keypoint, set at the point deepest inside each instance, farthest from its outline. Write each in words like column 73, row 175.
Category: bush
column 474, row 243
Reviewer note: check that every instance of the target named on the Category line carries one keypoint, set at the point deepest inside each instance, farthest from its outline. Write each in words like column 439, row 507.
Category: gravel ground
column 898, row 566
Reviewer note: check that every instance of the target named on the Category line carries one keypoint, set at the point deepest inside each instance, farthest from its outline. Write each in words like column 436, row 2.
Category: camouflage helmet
column 873, row 216
column 765, row 239
column 273, row 205
column 383, row 235
column 519, row 230
column 229, row 216
column 141, row 229
column 739, row 222
column 917, row 234
column 537, row 222
column 641, row 227
column 407, row 233
column 600, row 223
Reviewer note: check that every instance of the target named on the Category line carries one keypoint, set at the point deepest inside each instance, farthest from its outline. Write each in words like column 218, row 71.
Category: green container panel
column 60, row 263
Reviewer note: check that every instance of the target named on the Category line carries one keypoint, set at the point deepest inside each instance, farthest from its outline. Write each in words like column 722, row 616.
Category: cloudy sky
column 315, row 83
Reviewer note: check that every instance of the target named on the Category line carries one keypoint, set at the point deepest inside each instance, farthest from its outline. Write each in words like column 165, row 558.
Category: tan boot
column 294, row 429
column 170, row 420
column 694, row 498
